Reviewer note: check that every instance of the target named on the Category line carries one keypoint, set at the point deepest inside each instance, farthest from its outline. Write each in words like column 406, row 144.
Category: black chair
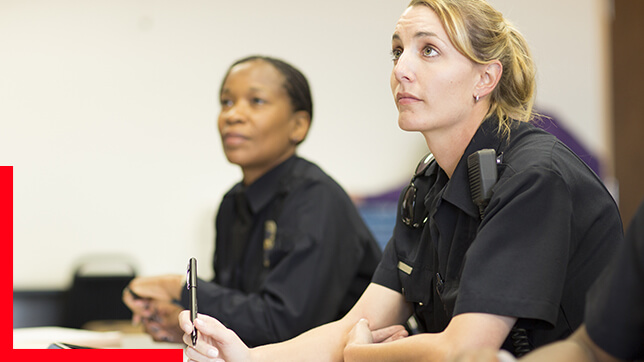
column 96, row 290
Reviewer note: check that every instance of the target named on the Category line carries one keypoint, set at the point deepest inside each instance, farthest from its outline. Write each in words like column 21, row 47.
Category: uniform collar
column 457, row 190
column 263, row 190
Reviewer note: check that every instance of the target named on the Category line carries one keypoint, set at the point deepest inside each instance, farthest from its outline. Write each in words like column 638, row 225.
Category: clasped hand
column 361, row 333
column 153, row 302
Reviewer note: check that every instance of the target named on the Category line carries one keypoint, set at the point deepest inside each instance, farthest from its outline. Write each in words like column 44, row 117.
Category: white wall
column 107, row 112
column 570, row 44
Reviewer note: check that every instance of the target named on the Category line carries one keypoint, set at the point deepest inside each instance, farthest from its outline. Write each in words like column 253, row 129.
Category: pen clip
column 188, row 275
column 191, row 277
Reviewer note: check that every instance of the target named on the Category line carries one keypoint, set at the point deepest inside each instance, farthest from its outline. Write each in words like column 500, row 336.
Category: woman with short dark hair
column 291, row 250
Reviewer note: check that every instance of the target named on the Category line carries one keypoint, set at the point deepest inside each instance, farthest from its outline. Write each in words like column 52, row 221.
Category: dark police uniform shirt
column 548, row 231
column 319, row 261
column 615, row 307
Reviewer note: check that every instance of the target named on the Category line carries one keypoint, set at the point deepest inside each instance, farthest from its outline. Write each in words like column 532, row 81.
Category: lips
column 233, row 138
column 403, row 98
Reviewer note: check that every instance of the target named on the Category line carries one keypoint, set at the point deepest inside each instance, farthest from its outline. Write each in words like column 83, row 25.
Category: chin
column 234, row 158
column 407, row 124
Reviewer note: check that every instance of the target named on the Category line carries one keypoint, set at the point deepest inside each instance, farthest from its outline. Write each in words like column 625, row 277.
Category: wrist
column 352, row 351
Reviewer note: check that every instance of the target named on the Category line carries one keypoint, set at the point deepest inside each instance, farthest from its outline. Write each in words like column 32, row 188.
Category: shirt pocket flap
column 416, row 282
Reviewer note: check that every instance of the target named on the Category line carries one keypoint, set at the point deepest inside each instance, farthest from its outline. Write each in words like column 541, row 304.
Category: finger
column 137, row 319
column 141, row 307
column 194, row 355
column 213, row 331
column 401, row 334
column 360, row 333
column 168, row 312
column 211, row 327
column 383, row 334
column 140, row 288
column 187, row 339
column 154, row 330
column 185, row 322
column 505, row 356
column 127, row 296
column 140, row 315
column 158, row 288
column 154, row 317
column 132, row 302
column 161, row 334
column 129, row 300
column 362, row 326
column 203, row 346
column 396, row 336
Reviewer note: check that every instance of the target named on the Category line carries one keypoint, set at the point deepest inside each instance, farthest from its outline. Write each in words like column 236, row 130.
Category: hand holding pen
column 191, row 284
column 216, row 341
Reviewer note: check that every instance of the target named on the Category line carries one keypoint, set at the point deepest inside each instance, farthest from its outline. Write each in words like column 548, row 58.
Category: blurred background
column 108, row 115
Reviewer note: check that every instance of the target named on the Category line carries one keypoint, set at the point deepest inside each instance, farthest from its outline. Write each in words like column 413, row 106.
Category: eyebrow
column 419, row 34
column 252, row 89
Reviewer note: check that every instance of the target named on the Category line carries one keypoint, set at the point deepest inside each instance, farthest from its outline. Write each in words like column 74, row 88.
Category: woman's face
column 432, row 83
column 256, row 123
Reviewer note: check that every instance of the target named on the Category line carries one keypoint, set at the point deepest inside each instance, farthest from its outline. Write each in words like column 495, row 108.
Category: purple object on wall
column 551, row 125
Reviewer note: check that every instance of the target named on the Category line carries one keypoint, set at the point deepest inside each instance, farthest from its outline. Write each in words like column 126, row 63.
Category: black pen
column 191, row 284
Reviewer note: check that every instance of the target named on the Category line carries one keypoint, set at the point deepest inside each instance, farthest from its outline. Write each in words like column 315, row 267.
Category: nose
column 403, row 69
column 235, row 113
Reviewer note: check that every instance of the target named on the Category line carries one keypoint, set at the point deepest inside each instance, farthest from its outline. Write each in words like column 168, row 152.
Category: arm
column 382, row 306
column 314, row 263
column 465, row 331
column 577, row 348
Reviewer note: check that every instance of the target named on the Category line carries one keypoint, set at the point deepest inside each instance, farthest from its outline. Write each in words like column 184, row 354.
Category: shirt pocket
column 416, row 287
column 277, row 244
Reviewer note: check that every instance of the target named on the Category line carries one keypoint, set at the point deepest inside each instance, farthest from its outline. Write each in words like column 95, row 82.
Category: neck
column 449, row 144
column 253, row 173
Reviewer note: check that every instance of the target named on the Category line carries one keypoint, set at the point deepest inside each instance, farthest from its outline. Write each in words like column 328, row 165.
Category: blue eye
column 226, row 102
column 257, row 100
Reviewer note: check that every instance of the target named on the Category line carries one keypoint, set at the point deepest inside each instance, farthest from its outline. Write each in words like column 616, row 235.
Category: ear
column 301, row 121
column 490, row 77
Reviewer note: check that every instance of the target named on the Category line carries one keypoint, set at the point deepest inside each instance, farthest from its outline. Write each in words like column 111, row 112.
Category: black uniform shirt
column 548, row 231
column 314, row 266
column 615, row 308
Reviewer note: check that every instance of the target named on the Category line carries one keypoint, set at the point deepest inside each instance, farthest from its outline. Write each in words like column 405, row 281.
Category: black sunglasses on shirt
column 408, row 205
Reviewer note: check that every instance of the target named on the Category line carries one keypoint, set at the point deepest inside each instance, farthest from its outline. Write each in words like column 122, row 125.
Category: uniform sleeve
column 517, row 263
column 614, row 310
column 386, row 274
column 318, row 249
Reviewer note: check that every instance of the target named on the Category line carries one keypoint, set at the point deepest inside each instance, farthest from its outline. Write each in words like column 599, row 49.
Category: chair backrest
column 96, row 290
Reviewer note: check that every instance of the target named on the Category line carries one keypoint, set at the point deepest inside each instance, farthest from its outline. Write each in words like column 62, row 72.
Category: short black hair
column 296, row 84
